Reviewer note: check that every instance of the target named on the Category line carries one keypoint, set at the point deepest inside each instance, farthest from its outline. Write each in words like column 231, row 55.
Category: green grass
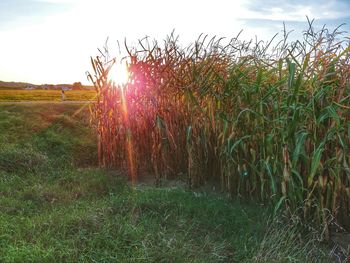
column 45, row 95
column 56, row 206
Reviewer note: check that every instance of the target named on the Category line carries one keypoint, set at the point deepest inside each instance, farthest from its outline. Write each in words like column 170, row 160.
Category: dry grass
column 45, row 95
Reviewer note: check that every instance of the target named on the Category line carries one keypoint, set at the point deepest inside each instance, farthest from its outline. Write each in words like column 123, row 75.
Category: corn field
column 268, row 121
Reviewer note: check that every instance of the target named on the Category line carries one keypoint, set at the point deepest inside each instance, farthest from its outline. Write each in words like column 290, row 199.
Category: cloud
column 269, row 15
column 298, row 9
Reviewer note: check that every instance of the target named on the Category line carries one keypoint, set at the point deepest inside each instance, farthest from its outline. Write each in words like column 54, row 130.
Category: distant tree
column 77, row 85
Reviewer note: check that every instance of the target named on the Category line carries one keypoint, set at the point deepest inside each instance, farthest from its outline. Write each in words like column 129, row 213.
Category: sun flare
column 119, row 74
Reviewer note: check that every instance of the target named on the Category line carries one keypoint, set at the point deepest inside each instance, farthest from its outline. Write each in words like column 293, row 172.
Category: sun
column 119, row 74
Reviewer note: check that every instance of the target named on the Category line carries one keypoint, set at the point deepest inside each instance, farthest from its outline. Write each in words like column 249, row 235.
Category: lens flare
column 119, row 74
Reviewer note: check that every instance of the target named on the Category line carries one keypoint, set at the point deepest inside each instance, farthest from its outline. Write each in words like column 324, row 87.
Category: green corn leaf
column 316, row 158
column 188, row 134
column 299, row 147
column 291, row 69
column 329, row 112
column 272, row 179
column 238, row 142
column 279, row 204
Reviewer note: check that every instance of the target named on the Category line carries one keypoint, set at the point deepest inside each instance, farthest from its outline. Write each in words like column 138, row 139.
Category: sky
column 51, row 41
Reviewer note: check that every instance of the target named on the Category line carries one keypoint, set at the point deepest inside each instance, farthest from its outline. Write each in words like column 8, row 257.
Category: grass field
column 56, row 206
column 45, row 95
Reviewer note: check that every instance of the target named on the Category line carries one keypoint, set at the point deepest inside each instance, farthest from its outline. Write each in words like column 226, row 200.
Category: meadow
column 56, row 205
column 45, row 95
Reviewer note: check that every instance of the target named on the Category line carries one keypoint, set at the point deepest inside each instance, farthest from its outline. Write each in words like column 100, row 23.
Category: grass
column 45, row 95
column 56, row 206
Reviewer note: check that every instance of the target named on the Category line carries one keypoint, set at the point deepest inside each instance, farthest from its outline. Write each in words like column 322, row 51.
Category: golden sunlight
column 119, row 74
